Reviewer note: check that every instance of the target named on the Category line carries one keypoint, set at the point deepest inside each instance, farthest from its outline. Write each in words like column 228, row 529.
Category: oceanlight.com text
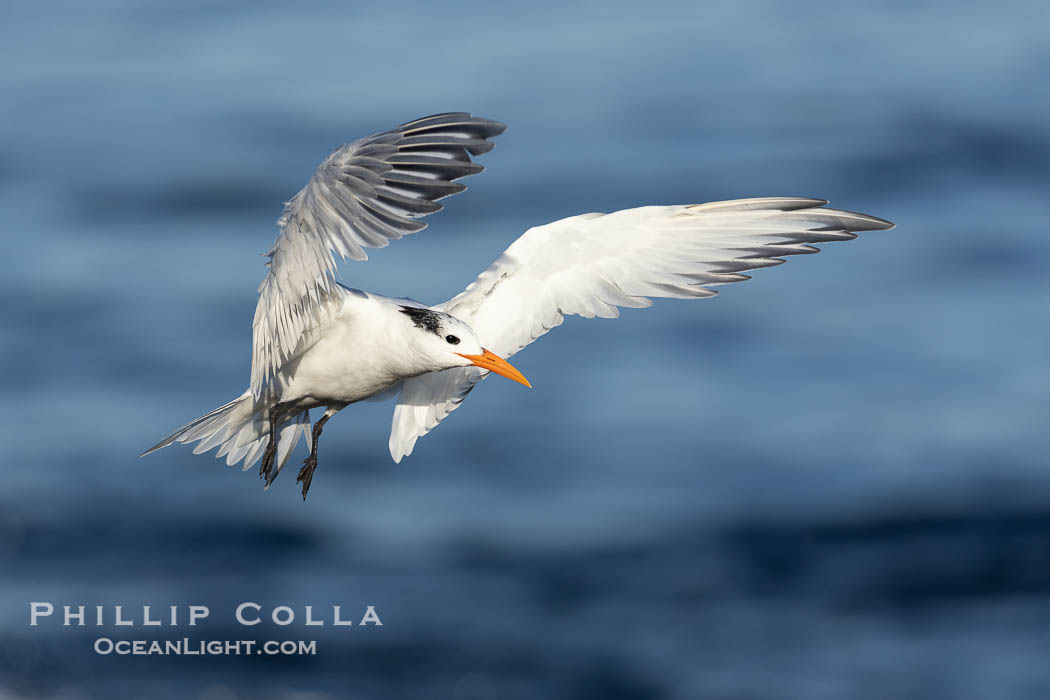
column 187, row 647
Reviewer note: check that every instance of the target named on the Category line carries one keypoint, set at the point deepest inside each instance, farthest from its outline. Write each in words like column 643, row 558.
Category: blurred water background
column 829, row 482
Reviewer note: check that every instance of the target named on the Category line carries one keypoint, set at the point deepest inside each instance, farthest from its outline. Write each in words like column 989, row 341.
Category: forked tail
column 240, row 432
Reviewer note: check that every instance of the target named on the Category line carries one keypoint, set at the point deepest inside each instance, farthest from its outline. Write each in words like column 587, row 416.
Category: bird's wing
column 425, row 401
column 590, row 265
column 363, row 195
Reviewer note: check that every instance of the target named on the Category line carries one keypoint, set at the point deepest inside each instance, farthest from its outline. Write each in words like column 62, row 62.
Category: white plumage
column 317, row 343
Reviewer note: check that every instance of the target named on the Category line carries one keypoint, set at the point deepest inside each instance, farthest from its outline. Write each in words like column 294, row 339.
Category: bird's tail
column 240, row 429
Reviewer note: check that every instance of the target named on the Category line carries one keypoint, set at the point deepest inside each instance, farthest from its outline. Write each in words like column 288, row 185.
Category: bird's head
column 443, row 342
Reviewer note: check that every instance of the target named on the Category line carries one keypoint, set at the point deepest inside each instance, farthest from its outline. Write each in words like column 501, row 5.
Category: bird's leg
column 277, row 413
column 306, row 474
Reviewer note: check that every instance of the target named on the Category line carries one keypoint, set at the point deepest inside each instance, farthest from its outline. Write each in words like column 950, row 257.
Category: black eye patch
column 452, row 340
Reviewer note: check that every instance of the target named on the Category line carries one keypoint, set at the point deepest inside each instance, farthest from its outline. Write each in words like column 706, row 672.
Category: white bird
column 317, row 343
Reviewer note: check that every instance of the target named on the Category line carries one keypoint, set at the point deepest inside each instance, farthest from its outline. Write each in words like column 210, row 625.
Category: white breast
column 358, row 354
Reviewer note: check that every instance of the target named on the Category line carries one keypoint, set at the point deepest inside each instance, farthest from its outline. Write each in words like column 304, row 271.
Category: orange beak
column 494, row 363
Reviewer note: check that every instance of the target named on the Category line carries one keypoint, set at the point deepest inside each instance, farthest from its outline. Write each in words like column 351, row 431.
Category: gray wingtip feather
column 160, row 445
column 857, row 221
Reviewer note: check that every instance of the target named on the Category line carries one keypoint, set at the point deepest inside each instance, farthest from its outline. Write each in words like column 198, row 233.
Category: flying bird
column 318, row 344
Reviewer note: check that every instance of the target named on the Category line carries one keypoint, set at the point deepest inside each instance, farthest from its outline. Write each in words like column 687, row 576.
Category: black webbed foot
column 306, row 474
column 266, row 471
column 266, row 468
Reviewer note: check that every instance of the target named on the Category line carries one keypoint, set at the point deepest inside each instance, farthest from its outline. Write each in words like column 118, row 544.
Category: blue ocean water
column 831, row 481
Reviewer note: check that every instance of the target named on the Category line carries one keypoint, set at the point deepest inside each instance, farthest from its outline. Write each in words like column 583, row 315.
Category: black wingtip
column 482, row 127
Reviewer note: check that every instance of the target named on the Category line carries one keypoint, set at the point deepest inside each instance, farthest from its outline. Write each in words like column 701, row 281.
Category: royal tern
column 319, row 344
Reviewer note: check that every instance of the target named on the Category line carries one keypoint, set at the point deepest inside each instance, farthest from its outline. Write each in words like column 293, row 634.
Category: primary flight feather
column 317, row 343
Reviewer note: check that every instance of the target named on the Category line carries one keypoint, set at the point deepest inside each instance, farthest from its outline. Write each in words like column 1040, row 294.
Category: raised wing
column 363, row 195
column 590, row 265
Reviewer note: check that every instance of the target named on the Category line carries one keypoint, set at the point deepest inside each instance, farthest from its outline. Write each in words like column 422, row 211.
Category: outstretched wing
column 363, row 195
column 590, row 265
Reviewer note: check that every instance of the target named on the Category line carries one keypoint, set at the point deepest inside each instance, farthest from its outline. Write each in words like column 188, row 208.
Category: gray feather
column 363, row 195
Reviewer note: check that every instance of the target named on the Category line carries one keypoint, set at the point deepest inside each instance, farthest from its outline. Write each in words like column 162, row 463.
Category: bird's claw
column 266, row 468
column 306, row 474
